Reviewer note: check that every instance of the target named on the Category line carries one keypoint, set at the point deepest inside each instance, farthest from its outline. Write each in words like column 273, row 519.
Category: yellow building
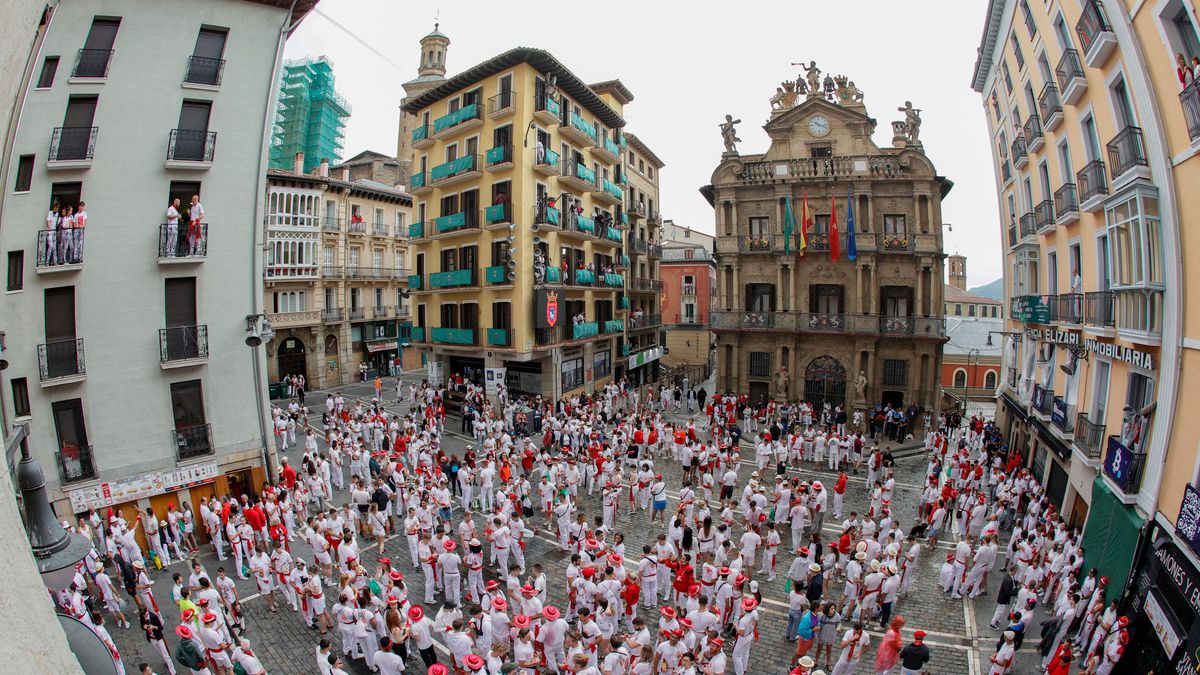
column 519, row 232
column 1095, row 137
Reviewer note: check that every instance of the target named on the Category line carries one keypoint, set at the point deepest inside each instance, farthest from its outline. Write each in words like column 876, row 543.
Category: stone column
column 737, row 297
column 779, row 289
column 858, row 289
column 920, row 307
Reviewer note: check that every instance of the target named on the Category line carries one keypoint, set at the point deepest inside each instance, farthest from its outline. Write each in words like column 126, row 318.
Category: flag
column 789, row 226
column 851, row 237
column 835, row 245
column 806, row 220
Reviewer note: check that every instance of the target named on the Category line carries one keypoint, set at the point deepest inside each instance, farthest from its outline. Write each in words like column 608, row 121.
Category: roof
column 987, row 44
column 956, row 294
column 367, row 188
column 645, row 150
column 540, row 59
column 300, row 8
column 616, row 88
column 368, row 156
column 435, row 33
column 966, row 335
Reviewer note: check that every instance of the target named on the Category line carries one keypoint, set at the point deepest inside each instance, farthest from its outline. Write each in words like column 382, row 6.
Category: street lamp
column 258, row 330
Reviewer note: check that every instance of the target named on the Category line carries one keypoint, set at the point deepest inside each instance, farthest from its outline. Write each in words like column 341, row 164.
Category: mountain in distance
column 994, row 290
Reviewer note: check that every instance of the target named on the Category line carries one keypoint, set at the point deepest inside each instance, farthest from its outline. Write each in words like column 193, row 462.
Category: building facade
column 961, row 302
column 689, row 277
column 521, row 246
column 971, row 361
column 118, row 341
column 643, row 247
column 804, row 322
column 1095, row 133
column 311, row 118
column 336, row 277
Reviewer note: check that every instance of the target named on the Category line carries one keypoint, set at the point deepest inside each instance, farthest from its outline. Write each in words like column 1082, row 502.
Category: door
column 506, row 91
column 191, row 428
column 191, row 137
column 61, row 356
column 759, row 392
column 74, row 139
column 181, row 336
column 205, row 64
column 292, row 358
column 75, row 459
column 97, row 49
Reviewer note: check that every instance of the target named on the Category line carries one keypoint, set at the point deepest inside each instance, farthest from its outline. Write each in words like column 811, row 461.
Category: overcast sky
column 688, row 64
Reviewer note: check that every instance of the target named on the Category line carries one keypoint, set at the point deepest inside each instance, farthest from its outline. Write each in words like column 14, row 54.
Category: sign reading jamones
column 1121, row 353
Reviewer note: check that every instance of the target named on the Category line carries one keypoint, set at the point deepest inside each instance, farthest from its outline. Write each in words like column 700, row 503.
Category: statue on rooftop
column 912, row 122
column 729, row 134
column 813, row 74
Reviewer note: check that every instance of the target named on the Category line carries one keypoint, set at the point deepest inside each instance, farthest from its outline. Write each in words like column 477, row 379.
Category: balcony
column 182, row 346
column 381, row 312
column 1066, row 205
column 756, row 243
column 357, row 313
column 1139, row 314
column 1062, row 416
column 608, row 193
column 91, row 64
column 499, row 158
column 688, row 289
column 498, row 337
column 1123, row 468
column 640, row 246
column 59, row 250
column 331, row 224
column 1029, row 309
column 610, row 280
column 1028, row 225
column 616, row 326
column 454, row 279
column 61, row 362
column 754, row 320
column 497, row 275
column 416, row 230
column 367, row 273
column 465, row 118
column 1006, row 172
column 584, row 330
column 280, row 320
column 1189, row 98
column 331, row 315
column 606, row 150
column 379, row 229
column 580, row 224
column 823, row 322
column 639, row 320
column 204, row 71
column 501, row 105
column 414, row 282
column 896, row 325
column 1043, row 401
column 1093, row 186
column 418, row 183
column 1127, row 157
column 190, row 245
column 545, row 337
column 1072, row 83
column 578, row 277
column 546, row 109
column 577, row 176
column 464, row 168
column 72, row 148
column 894, row 243
column 1095, row 34
column 357, row 225
column 614, row 235
column 1043, row 216
column 497, row 214
column 1033, row 132
column 75, row 463
column 577, row 130
column 1099, row 309
column 452, row 336
column 547, row 275
column 547, row 216
column 1068, row 308
column 636, row 211
column 1020, row 152
column 403, row 311
column 456, row 222
column 191, row 149
column 192, row 441
column 648, row 285
column 1050, row 106
column 546, row 163
column 421, row 138
column 1089, row 437
column 1013, row 239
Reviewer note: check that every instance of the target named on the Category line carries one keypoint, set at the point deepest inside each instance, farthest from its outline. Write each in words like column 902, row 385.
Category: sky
column 690, row 64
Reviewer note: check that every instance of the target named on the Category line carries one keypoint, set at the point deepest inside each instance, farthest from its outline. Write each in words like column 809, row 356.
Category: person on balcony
column 1183, row 70
column 171, row 246
column 52, row 227
column 195, row 230
column 66, row 235
column 81, row 218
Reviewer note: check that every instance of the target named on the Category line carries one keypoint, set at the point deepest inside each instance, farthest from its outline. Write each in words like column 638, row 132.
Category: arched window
column 960, row 379
column 989, row 380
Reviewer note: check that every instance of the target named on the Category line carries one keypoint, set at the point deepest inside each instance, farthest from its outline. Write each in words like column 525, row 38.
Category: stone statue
column 783, row 382
column 860, row 385
column 777, row 99
column 729, row 134
column 829, row 87
column 785, row 96
column 846, row 91
column 912, row 122
column 813, row 74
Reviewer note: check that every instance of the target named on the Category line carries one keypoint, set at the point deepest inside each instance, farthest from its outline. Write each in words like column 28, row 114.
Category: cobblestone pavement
column 958, row 631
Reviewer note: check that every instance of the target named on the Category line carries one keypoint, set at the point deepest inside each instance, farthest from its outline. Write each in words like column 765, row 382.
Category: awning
column 1110, row 537
column 381, row 346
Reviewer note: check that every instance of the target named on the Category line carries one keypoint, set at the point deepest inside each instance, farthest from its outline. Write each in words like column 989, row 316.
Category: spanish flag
column 806, row 221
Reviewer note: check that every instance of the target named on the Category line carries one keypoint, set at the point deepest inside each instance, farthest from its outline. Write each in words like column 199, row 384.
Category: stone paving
column 958, row 632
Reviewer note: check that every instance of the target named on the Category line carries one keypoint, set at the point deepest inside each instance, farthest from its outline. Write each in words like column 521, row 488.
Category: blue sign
column 1118, row 463
column 1039, row 396
column 1059, row 415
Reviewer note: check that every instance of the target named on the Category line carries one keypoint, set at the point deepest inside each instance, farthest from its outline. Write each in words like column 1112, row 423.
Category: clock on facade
column 818, row 125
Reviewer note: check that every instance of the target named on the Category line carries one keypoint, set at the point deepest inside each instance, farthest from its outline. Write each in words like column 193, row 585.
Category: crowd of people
column 688, row 600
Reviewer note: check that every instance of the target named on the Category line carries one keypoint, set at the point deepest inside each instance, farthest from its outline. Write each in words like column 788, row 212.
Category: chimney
column 298, row 166
column 324, row 170
column 346, row 175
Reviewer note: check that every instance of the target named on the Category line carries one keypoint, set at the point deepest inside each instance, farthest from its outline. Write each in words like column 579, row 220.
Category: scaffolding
column 311, row 115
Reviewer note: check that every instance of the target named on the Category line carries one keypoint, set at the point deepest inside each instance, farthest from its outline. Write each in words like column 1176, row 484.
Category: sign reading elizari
column 1121, row 353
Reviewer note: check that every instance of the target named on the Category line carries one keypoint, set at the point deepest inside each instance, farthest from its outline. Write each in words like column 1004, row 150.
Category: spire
column 433, row 53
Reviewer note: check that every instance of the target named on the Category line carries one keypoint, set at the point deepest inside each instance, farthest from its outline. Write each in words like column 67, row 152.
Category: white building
column 127, row 347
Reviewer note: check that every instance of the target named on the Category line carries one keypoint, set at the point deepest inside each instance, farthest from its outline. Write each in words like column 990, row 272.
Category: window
column 1136, row 240
column 572, row 374
column 72, row 434
column 1186, row 30
column 16, row 270
column 97, row 49
column 191, row 428
column 989, row 380
column 689, row 312
column 24, row 174
column 49, row 68
column 1100, row 391
column 1065, row 170
column 760, row 227
column 1016, row 47
column 1139, row 395
column 971, row 310
column 1122, row 105
column 821, row 224
column 894, row 225
column 1029, row 24
column 1044, row 69
column 760, row 364
column 205, row 66
column 1007, row 77
column 1063, row 33
column 827, row 298
column 20, row 395
column 957, row 309
column 1091, row 139
column 960, row 379
column 994, row 315
column 601, row 365
column 895, row 373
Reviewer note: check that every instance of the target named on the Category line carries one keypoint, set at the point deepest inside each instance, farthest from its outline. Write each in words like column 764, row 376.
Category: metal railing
column 1043, row 400
column 191, row 145
column 645, row 284
column 1189, row 98
column 92, row 63
column 69, row 144
column 1065, row 200
column 821, row 167
column 1125, row 151
column 182, row 343
column 1006, row 170
column 184, row 242
column 331, row 224
column 204, row 70
column 1069, row 67
column 357, row 313
column 331, row 314
column 1068, row 308
column 1028, row 225
column 75, row 463
column 60, row 247
column 897, row 242
column 1043, row 214
column 1127, row 479
column 1019, row 148
column 1099, row 309
column 1049, row 103
column 193, row 440
column 502, row 101
column 379, row 229
column 1089, row 436
column 61, row 358
column 381, row 311
column 638, row 321
column 1033, row 128
column 1092, row 22
column 865, row 324
column 1091, row 180
column 501, row 154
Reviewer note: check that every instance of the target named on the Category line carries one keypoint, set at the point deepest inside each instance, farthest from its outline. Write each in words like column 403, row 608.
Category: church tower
column 431, row 71
column 957, row 265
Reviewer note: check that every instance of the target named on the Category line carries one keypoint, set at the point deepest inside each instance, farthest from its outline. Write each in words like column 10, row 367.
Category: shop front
column 1055, row 458
column 1110, row 535
column 643, row 366
column 1163, row 601
column 379, row 347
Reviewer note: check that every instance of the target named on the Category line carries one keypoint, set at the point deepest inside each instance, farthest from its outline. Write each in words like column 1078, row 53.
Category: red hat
column 188, row 614
column 437, row 669
column 919, row 635
column 685, row 622
column 521, row 621
column 1123, row 621
column 395, row 575
column 528, row 590
column 724, row 571
column 668, row 612
column 816, row 485
column 949, row 557
column 203, row 602
column 982, row 499
column 551, row 612
column 749, row 604
column 954, row 493
column 694, row 590
column 209, row 617
column 739, row 580
column 1104, row 580
column 473, row 661
column 184, row 632
column 499, row 604
column 803, row 550
column 385, row 561
column 658, row 475
column 591, row 543
column 616, row 559
column 1123, row 636
column 449, row 545
column 415, row 613
column 718, row 641
column 492, row 585
column 393, row 600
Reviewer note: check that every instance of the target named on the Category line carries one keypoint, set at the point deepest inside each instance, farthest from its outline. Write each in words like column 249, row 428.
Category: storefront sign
column 383, row 346
column 433, row 373
column 492, row 379
column 1118, row 463
column 141, row 487
column 1187, row 526
column 1031, row 309
column 645, row 356
column 1162, row 626
column 1053, row 336
column 1121, row 353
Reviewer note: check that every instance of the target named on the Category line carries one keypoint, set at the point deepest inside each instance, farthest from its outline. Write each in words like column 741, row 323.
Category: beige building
column 802, row 323
column 961, row 302
column 673, row 233
column 336, row 276
column 644, row 288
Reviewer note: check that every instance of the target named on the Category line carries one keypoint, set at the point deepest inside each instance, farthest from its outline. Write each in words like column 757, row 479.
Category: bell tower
column 957, row 265
column 433, row 54
column 431, row 71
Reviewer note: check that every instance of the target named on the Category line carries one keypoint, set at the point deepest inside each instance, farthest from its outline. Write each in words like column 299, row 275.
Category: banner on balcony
column 1031, row 309
column 141, row 487
column 1058, row 416
column 545, row 309
column 1118, row 463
